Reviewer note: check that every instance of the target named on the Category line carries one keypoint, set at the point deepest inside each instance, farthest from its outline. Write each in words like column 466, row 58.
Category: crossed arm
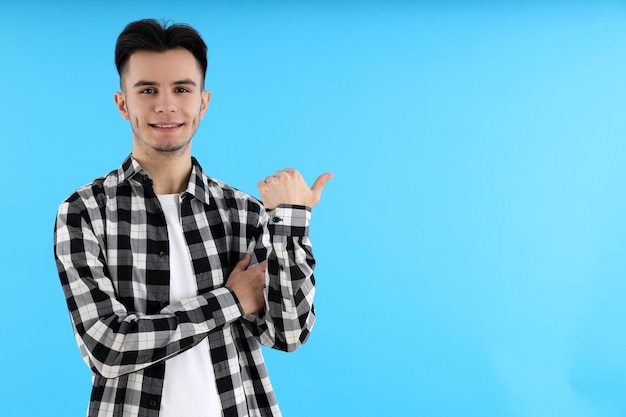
column 115, row 341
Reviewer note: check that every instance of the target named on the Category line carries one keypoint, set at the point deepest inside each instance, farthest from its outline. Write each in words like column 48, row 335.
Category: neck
column 170, row 175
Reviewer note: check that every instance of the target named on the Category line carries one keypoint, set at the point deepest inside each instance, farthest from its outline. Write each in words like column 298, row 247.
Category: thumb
column 321, row 181
column 243, row 263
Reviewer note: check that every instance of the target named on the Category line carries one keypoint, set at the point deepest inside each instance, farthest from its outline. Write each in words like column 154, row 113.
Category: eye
column 182, row 90
column 148, row 91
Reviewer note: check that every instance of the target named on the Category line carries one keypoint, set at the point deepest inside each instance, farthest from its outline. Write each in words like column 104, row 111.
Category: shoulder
column 93, row 194
column 232, row 196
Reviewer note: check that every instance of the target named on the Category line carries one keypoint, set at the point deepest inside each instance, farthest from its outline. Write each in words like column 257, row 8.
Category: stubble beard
column 155, row 150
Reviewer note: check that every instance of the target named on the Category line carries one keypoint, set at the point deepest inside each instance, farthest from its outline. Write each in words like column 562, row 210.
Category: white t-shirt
column 189, row 388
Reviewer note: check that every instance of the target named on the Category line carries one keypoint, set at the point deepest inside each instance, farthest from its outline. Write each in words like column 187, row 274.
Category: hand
column 248, row 284
column 288, row 187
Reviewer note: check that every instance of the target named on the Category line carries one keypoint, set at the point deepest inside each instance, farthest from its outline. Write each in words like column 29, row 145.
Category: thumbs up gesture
column 288, row 187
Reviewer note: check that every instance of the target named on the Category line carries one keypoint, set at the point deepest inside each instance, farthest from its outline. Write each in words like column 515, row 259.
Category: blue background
column 471, row 246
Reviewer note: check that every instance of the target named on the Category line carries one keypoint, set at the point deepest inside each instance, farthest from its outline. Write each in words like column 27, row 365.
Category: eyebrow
column 143, row 83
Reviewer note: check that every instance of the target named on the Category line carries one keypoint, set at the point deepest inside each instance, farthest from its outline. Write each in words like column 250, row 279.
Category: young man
column 172, row 278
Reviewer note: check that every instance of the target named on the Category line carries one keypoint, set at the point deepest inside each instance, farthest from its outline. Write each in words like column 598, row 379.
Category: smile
column 165, row 125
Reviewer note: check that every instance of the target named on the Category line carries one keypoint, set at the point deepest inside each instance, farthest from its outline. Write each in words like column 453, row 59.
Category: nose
column 166, row 103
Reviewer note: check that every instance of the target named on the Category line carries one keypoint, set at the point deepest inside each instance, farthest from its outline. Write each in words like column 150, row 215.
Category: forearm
column 288, row 315
column 116, row 341
column 121, row 343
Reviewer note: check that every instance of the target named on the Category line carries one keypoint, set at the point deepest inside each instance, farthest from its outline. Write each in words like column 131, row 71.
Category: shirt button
column 162, row 254
column 277, row 219
column 153, row 403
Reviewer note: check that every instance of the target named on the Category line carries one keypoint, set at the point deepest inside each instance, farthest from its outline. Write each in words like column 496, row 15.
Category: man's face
column 163, row 99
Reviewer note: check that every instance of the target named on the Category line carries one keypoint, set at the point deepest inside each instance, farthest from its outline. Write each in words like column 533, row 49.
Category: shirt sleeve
column 112, row 340
column 289, row 315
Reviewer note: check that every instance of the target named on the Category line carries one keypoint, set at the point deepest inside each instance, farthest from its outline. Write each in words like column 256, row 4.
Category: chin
column 170, row 147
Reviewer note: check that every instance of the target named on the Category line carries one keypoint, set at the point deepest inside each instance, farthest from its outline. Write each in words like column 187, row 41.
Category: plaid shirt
column 111, row 249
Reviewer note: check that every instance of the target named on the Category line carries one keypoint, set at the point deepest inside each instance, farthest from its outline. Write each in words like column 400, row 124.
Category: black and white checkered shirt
column 111, row 249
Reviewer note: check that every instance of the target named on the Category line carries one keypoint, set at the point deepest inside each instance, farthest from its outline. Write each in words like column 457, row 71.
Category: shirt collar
column 130, row 168
column 198, row 185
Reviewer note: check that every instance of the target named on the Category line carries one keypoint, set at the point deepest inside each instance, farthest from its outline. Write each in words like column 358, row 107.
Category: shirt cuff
column 289, row 220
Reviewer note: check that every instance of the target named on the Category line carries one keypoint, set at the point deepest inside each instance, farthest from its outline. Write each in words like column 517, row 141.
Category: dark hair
column 156, row 36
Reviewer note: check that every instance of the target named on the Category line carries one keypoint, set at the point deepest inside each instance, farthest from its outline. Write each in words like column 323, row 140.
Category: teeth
column 167, row 125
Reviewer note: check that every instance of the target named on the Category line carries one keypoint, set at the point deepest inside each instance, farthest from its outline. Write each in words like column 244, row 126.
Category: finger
column 293, row 173
column 321, row 181
column 243, row 263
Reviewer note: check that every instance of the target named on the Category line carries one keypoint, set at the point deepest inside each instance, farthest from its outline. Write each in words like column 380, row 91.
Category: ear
column 206, row 97
column 120, row 102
